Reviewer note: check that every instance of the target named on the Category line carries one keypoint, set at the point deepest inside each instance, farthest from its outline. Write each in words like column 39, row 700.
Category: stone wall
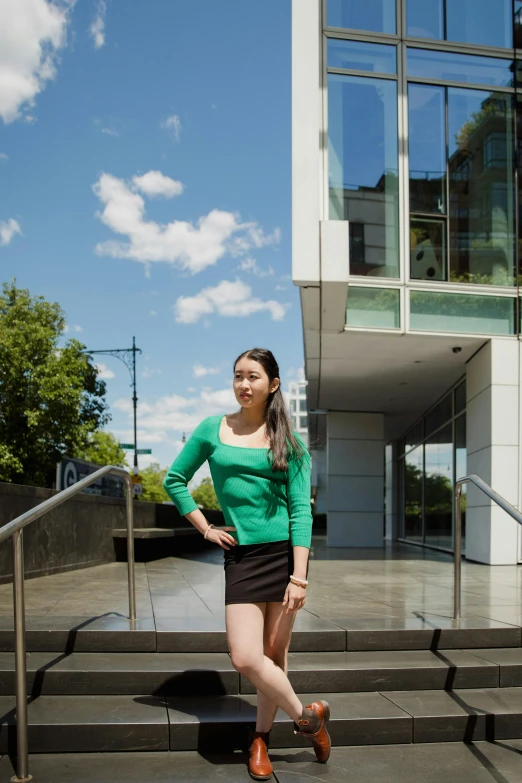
column 78, row 533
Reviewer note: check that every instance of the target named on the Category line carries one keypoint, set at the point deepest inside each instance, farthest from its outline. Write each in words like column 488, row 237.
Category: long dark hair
column 283, row 443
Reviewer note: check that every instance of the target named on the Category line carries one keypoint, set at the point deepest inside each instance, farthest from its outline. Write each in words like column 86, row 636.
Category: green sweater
column 263, row 505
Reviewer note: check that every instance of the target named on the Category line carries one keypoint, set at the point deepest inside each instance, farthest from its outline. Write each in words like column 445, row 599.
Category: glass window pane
column 481, row 187
column 374, row 307
column 460, row 398
column 379, row 16
column 359, row 56
column 485, row 22
column 427, row 249
column 415, row 436
column 425, row 19
column 438, row 489
column 440, row 414
column 363, row 168
column 518, row 24
column 453, row 67
column 461, row 465
column 440, row 312
column 413, row 473
column 427, row 147
column 302, row 405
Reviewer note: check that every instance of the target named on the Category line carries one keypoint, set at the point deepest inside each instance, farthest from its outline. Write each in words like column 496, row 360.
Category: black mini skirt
column 255, row 573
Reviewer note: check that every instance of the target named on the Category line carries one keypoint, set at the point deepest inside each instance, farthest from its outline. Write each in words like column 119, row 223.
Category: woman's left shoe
column 259, row 765
column 312, row 724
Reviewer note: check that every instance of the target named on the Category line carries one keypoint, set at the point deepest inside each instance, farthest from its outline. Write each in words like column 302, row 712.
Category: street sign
column 126, row 446
column 136, row 479
column 144, row 451
column 137, row 486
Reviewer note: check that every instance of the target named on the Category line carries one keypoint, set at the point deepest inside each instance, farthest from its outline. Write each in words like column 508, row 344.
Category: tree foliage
column 50, row 396
column 102, row 448
column 205, row 494
column 153, row 483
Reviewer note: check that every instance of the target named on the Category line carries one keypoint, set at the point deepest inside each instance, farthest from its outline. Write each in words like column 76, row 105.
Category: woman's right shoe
column 259, row 765
column 312, row 724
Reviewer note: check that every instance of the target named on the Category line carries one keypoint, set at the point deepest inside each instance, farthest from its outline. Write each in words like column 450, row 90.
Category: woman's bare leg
column 245, row 635
column 276, row 640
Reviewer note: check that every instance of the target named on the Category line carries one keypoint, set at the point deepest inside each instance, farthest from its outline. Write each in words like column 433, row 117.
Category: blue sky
column 145, row 186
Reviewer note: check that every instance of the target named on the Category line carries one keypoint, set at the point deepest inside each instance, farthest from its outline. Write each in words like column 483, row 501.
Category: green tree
column 50, row 396
column 102, row 448
column 152, row 478
column 205, row 494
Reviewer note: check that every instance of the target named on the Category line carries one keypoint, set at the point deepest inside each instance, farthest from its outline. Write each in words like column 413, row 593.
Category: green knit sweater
column 263, row 505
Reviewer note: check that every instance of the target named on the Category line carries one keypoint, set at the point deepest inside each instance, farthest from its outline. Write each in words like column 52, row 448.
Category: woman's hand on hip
column 221, row 536
column 294, row 598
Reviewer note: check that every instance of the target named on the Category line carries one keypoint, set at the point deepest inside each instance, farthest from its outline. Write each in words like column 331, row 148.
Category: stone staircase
column 100, row 686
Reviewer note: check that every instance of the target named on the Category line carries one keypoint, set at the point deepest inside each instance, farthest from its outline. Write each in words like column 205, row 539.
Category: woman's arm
column 219, row 535
column 191, row 457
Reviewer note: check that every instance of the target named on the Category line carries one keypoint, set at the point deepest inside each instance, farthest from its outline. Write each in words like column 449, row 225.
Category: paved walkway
column 366, row 584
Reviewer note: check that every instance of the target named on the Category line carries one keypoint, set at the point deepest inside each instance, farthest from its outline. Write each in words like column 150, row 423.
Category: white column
column 493, row 435
column 355, row 464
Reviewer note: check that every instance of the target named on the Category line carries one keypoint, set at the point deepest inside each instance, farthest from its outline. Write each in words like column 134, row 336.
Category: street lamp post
column 128, row 357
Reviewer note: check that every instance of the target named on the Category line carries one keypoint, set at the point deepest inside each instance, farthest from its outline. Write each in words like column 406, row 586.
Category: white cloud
column 173, row 125
column 104, row 372
column 147, row 372
column 192, row 247
column 97, row 27
column 110, row 132
column 8, row 229
column 32, row 32
column 77, row 328
column 3, row 156
column 228, row 299
column 199, row 371
column 280, row 288
column 175, row 414
column 249, row 264
column 154, row 183
column 154, row 313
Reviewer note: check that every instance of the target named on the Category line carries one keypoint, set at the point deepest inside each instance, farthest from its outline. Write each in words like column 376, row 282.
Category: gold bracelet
column 299, row 582
column 206, row 531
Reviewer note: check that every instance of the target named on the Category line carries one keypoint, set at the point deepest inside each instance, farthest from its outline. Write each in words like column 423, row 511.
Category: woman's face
column 251, row 383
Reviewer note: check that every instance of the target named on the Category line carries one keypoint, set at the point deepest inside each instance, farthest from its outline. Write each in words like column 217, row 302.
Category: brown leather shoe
column 259, row 764
column 313, row 725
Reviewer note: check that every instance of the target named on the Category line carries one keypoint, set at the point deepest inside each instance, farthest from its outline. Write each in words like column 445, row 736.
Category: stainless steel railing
column 16, row 529
column 499, row 500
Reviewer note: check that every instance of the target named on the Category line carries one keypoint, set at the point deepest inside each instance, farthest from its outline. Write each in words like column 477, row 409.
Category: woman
column 261, row 474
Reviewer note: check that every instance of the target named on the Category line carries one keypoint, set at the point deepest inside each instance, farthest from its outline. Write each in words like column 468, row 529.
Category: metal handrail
column 15, row 529
column 499, row 500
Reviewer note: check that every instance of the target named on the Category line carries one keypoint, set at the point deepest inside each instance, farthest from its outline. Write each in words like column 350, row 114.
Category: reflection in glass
column 413, row 471
column 433, row 311
column 379, row 16
column 461, row 466
column 363, row 168
column 427, row 249
column 425, row 18
column 481, row 187
column 438, row 489
column 518, row 24
column 359, row 56
column 427, row 147
column 484, row 22
column 378, row 308
column 466, row 68
column 460, row 398
column 414, row 436
column 439, row 415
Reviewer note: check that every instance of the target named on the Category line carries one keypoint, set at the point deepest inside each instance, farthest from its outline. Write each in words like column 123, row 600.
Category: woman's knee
column 277, row 653
column 245, row 661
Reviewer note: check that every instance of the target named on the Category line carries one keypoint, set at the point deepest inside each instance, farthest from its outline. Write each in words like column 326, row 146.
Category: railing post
column 130, row 549
column 22, row 750
column 458, row 551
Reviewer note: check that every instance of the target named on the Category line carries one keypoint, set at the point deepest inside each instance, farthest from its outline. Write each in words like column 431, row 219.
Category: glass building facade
column 423, row 106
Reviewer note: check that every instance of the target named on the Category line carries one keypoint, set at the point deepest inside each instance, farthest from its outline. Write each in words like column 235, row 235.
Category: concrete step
column 481, row 762
column 193, row 674
column 220, row 723
column 115, row 633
